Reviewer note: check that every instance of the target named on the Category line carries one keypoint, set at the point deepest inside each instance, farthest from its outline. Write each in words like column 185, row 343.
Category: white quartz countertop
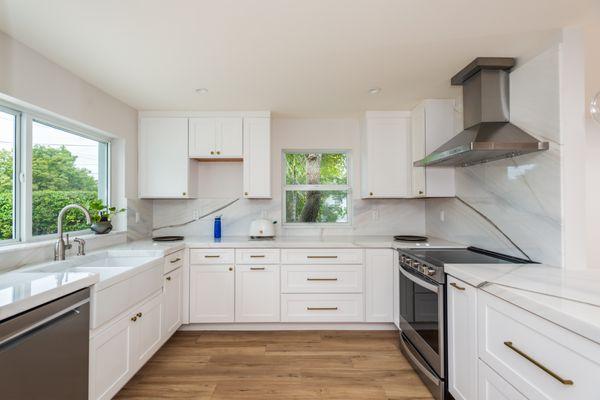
column 569, row 298
column 21, row 291
column 284, row 242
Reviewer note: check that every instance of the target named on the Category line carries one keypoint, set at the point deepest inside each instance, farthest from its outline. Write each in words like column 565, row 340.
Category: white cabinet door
column 214, row 138
column 379, row 285
column 230, row 138
column 462, row 339
column 386, row 157
column 212, row 293
column 396, row 290
column 164, row 168
column 110, row 359
column 203, row 137
column 147, row 329
column 172, row 302
column 257, row 158
column 493, row 387
column 433, row 124
column 257, row 293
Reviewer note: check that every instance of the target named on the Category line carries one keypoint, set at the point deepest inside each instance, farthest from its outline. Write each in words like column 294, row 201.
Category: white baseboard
column 290, row 327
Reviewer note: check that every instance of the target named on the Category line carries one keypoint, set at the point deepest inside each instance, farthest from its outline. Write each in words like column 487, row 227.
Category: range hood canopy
column 488, row 134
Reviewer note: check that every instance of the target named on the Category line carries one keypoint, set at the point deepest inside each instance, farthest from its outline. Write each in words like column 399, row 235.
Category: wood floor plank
column 279, row 365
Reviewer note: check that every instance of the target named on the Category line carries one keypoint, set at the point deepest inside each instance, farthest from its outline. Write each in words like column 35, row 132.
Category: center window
column 316, row 187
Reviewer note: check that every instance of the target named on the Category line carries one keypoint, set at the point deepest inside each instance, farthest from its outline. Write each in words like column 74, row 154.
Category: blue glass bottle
column 217, row 228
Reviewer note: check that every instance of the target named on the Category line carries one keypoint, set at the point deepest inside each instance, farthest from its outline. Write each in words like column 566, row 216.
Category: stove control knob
column 431, row 271
column 403, row 258
column 416, row 266
column 409, row 262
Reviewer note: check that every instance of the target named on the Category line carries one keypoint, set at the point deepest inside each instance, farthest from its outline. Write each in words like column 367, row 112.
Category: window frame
column 347, row 188
column 23, row 153
column 17, row 175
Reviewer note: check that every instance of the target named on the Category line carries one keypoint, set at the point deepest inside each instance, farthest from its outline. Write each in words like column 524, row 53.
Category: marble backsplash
column 521, row 195
column 139, row 218
column 370, row 217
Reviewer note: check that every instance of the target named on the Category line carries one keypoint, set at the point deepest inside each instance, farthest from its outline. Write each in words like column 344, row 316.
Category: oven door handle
column 426, row 285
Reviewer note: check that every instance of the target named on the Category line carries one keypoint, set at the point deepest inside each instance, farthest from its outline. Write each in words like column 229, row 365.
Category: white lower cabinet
column 379, row 267
column 396, row 290
column 212, row 293
column 172, row 302
column 257, row 293
column 491, row 386
column 122, row 347
column 462, row 339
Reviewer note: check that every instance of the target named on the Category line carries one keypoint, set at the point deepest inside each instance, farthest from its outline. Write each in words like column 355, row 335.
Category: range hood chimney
column 488, row 135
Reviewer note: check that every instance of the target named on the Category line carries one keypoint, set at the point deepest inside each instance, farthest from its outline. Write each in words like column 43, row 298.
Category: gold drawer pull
column 257, row 256
column 175, row 260
column 321, row 308
column 454, row 285
column 134, row 318
column 207, row 256
column 538, row 364
column 321, row 279
column 257, row 268
column 321, row 256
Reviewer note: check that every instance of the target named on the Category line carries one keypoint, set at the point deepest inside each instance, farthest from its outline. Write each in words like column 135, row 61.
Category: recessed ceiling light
column 375, row 90
column 202, row 90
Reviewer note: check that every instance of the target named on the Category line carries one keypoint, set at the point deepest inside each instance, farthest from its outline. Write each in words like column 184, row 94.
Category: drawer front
column 322, row 308
column 257, row 256
column 322, row 256
column 321, row 279
column 540, row 359
column 491, row 386
column 173, row 261
column 212, row 256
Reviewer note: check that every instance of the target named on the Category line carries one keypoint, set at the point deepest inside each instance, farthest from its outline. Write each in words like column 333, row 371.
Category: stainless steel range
column 423, row 307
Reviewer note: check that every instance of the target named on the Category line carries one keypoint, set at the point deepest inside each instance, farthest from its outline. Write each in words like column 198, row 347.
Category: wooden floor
column 278, row 365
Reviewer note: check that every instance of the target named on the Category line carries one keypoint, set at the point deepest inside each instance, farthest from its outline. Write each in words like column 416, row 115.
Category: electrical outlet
column 375, row 214
column 195, row 214
column 442, row 215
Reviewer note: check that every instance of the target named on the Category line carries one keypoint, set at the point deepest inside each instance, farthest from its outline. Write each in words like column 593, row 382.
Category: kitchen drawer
column 322, row 256
column 211, row 256
column 491, row 386
column 322, row 308
column 257, row 256
column 173, row 261
column 527, row 350
column 322, row 279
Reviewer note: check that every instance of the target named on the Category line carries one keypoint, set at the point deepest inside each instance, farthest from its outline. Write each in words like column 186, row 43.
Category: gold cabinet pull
column 321, row 279
column 168, row 278
column 538, row 364
column 175, row 260
column 139, row 315
column 218, row 152
column 257, row 268
column 321, row 256
column 231, row 268
column 321, row 308
column 454, row 285
column 134, row 318
column 212, row 152
column 209, row 256
column 257, row 256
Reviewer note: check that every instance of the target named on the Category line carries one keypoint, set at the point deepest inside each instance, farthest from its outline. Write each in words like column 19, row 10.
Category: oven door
column 422, row 317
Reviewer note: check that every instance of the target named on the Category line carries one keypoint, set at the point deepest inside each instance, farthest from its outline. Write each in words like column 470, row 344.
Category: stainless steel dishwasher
column 44, row 352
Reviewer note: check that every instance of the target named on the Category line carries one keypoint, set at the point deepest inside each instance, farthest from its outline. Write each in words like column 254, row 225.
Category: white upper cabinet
column 216, row 138
column 164, row 168
column 257, row 158
column 386, row 161
column 432, row 124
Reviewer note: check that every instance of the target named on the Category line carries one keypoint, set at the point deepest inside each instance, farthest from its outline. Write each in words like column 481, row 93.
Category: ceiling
column 294, row 57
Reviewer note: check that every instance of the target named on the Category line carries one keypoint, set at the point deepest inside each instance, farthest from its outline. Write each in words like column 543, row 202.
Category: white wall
column 592, row 86
column 224, row 184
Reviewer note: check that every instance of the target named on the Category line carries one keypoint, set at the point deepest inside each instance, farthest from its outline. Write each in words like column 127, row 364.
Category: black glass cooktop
column 470, row 255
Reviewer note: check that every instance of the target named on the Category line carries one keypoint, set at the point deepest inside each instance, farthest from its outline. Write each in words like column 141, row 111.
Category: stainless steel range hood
column 488, row 134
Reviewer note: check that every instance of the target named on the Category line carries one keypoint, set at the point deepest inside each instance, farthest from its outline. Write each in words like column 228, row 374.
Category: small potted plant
column 101, row 215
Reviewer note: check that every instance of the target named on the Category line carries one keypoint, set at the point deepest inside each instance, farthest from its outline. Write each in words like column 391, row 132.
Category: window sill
column 36, row 244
